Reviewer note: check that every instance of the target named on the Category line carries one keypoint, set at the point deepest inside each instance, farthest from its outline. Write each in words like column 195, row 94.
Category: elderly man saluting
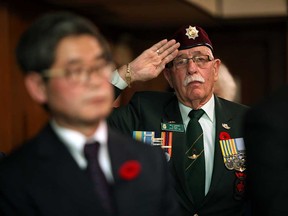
column 201, row 132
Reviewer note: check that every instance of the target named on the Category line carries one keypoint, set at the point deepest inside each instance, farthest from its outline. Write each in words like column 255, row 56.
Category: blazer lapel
column 60, row 169
column 172, row 112
column 119, row 154
column 222, row 116
column 177, row 162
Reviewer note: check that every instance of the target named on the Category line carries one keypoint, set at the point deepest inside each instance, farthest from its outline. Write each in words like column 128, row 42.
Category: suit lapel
column 60, row 169
column 172, row 112
column 123, row 190
column 222, row 116
column 118, row 155
column 177, row 162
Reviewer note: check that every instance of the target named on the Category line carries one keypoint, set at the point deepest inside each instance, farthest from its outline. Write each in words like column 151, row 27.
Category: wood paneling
column 20, row 116
column 5, row 97
column 257, row 54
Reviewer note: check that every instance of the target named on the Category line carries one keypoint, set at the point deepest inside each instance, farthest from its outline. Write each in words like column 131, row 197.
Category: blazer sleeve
column 117, row 92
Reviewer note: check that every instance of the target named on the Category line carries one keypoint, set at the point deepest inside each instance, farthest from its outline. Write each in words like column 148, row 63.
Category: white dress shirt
column 75, row 142
column 208, row 124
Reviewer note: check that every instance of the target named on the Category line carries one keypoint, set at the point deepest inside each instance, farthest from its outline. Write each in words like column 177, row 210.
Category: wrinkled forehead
column 199, row 50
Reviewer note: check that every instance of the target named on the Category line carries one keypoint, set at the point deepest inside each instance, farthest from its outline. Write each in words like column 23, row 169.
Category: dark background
column 254, row 48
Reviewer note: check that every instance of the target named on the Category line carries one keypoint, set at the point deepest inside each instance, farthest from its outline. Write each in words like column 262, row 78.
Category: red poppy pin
column 224, row 136
column 130, row 170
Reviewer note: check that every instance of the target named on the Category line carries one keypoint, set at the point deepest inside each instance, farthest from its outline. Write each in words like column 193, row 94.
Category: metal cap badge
column 191, row 36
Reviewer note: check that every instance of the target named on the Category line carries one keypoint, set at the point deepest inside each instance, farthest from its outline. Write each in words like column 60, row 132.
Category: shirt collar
column 76, row 140
column 208, row 108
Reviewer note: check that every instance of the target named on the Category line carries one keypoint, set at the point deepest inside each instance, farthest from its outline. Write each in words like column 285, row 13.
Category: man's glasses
column 200, row 60
column 79, row 74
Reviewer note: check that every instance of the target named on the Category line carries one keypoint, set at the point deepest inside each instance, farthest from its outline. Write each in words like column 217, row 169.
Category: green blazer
column 147, row 110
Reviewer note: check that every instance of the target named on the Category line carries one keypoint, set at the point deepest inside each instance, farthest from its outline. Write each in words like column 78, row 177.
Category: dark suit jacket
column 266, row 137
column 42, row 178
column 147, row 110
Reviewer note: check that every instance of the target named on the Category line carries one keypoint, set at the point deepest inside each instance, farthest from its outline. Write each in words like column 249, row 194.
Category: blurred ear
column 216, row 66
column 36, row 87
column 167, row 74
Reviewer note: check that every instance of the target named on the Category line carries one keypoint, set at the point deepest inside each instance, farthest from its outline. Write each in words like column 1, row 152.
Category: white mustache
column 193, row 78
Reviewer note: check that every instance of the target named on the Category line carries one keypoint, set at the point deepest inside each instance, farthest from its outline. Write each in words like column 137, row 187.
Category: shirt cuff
column 118, row 81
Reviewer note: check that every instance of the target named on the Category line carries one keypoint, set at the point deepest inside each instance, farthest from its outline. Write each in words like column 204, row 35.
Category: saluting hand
column 150, row 63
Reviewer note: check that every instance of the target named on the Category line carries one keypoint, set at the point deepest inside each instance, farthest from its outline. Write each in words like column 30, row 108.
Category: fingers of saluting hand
column 166, row 60
column 153, row 60
column 165, row 47
column 167, row 51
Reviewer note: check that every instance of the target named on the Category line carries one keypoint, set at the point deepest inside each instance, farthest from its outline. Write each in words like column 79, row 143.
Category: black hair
column 37, row 45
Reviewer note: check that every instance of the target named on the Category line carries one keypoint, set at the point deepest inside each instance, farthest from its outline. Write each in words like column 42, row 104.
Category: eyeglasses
column 79, row 74
column 200, row 60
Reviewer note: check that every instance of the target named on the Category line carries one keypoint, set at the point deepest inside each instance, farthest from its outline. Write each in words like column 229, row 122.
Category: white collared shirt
column 75, row 142
column 208, row 124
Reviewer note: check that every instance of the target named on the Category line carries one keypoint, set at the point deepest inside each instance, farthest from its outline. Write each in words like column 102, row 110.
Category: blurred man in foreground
column 77, row 165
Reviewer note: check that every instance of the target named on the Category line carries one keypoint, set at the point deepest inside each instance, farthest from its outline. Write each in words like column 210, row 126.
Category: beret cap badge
column 192, row 32
column 190, row 36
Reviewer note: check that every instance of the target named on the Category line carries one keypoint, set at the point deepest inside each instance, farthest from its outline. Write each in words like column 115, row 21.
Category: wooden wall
column 257, row 54
column 20, row 116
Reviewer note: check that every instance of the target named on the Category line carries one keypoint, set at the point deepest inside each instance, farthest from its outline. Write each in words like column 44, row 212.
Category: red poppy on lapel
column 130, row 170
column 224, row 136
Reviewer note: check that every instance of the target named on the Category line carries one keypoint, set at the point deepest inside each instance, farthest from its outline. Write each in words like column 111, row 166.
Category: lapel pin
column 226, row 126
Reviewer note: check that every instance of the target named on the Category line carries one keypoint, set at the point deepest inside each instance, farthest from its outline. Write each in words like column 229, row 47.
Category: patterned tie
column 101, row 186
column 195, row 160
